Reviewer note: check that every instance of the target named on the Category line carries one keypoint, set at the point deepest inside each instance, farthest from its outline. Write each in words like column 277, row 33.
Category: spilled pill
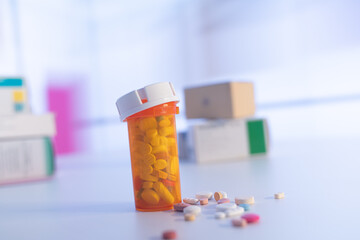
column 280, row 195
column 223, row 200
column 179, row 207
column 204, row 201
column 239, row 222
column 189, row 217
column 192, row 210
column 234, row 212
column 207, row 195
column 220, row 195
column 246, row 200
column 225, row 206
column 192, row 201
column 220, row 215
column 251, row 217
column 168, row 235
column 245, row 206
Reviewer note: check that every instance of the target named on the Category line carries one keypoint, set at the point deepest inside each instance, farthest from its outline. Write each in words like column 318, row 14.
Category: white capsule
column 193, row 210
column 279, row 195
column 220, row 215
column 244, row 200
column 192, row 201
column 234, row 212
column 201, row 195
column 225, row 206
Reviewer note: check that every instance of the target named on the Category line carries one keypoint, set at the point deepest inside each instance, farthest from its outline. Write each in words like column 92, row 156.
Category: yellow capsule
column 138, row 138
column 158, row 140
column 166, row 131
column 160, row 164
column 136, row 156
column 164, row 123
column 136, row 131
column 150, row 133
column 158, row 149
column 150, row 196
column 163, row 140
column 160, row 118
column 163, row 192
column 173, row 150
column 147, row 123
column 174, row 165
column 148, row 177
column 148, row 159
column 147, row 185
column 146, row 169
column 155, row 141
column 171, row 141
column 142, row 147
column 162, row 155
column 147, row 139
column 172, row 177
column 161, row 174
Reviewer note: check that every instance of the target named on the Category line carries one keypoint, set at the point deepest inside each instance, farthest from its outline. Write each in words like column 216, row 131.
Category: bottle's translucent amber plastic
column 154, row 158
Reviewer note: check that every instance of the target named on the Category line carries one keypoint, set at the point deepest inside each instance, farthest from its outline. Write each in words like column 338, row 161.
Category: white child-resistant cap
column 144, row 98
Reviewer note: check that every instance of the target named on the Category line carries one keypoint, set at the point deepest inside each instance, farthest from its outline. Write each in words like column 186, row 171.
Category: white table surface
column 91, row 197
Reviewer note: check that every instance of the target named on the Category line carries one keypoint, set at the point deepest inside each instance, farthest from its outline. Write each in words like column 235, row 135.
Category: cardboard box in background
column 221, row 140
column 26, row 150
column 223, row 100
column 27, row 125
column 26, row 159
column 13, row 96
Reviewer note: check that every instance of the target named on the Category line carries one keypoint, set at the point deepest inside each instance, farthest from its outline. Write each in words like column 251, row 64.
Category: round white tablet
column 244, row 200
column 193, row 210
column 191, row 200
column 220, row 215
column 225, row 206
column 201, row 195
column 234, row 212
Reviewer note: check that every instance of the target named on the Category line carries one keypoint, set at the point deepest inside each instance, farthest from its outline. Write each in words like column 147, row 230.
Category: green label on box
column 256, row 134
column 50, row 164
column 11, row 82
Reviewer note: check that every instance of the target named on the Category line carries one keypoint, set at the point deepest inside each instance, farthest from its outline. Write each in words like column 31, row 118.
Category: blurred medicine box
column 220, row 140
column 223, row 100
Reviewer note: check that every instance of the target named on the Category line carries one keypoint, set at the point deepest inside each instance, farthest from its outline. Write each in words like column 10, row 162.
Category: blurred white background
column 303, row 57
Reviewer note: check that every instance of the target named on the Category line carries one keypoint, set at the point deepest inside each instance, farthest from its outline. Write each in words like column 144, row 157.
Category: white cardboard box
column 219, row 140
column 26, row 160
column 27, row 125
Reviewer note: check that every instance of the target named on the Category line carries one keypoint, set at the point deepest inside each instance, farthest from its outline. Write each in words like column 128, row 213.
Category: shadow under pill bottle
column 150, row 115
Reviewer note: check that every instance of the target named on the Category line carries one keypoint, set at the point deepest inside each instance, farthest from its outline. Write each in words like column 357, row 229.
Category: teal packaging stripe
column 11, row 82
column 50, row 162
column 257, row 137
column 19, row 107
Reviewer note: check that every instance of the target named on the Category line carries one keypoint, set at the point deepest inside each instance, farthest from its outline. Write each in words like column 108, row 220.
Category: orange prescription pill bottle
column 150, row 115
